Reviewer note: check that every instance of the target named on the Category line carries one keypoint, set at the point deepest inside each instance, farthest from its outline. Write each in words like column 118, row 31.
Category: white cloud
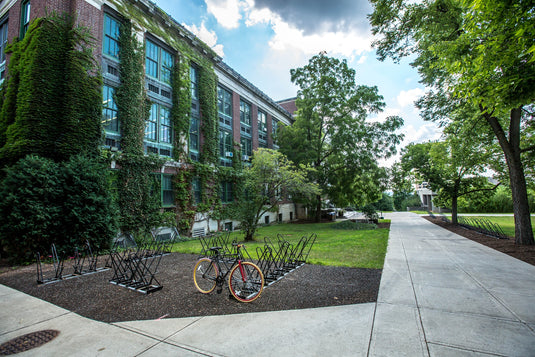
column 227, row 12
column 408, row 97
column 426, row 132
column 388, row 112
column 208, row 37
column 362, row 59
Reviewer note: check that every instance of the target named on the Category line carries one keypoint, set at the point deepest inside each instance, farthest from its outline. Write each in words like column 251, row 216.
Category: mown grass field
column 334, row 247
column 507, row 223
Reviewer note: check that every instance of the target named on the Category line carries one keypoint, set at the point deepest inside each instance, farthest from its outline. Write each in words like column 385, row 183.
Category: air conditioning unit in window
column 229, row 154
column 245, row 157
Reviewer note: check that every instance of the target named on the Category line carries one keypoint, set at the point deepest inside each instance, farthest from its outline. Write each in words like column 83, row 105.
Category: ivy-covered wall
column 51, row 102
column 206, row 170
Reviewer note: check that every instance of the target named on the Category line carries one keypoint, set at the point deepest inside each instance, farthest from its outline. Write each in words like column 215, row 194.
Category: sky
column 263, row 39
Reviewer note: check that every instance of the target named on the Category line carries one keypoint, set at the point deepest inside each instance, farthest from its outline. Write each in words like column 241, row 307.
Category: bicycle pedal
column 219, row 291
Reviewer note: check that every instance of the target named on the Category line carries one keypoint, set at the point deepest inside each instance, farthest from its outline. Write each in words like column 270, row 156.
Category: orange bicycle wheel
column 205, row 275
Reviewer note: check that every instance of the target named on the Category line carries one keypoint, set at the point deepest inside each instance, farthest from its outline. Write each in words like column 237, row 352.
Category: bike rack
column 482, row 225
column 135, row 268
column 80, row 258
column 276, row 261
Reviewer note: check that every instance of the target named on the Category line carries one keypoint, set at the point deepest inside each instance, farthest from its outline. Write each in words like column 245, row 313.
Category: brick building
column 246, row 115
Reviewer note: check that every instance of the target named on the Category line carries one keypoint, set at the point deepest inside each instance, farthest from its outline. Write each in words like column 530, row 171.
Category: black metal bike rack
column 81, row 258
column 135, row 266
column 482, row 225
column 278, row 260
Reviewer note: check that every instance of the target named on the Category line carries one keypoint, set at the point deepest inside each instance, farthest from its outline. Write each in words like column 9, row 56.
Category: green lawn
column 507, row 223
column 335, row 247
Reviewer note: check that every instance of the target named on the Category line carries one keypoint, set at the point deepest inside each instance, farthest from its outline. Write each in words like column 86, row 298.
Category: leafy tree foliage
column 44, row 202
column 52, row 100
column 477, row 53
column 332, row 135
column 453, row 168
column 265, row 184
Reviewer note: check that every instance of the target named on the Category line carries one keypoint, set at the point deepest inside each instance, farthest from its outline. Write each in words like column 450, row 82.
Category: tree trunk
column 511, row 149
column 318, row 209
column 454, row 219
column 454, row 200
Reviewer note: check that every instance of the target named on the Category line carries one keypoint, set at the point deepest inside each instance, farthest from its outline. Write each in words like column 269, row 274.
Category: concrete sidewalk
column 440, row 295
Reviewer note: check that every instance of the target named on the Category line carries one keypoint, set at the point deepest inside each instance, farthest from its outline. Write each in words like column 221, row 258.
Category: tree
column 264, row 185
column 45, row 202
column 453, row 167
column 332, row 135
column 475, row 52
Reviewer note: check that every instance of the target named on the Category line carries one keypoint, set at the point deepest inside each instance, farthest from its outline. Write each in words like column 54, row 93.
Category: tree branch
column 480, row 189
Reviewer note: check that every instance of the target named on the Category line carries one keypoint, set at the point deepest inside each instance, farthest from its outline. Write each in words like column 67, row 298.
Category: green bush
column 356, row 226
column 45, row 202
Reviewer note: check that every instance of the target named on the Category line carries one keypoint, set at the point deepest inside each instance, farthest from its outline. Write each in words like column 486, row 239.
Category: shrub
column 350, row 225
column 45, row 202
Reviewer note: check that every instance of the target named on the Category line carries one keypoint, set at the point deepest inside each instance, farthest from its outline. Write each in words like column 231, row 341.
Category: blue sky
column 263, row 39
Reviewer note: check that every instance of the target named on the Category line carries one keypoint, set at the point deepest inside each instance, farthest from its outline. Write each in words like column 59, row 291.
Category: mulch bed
column 93, row 296
column 507, row 246
column 307, row 287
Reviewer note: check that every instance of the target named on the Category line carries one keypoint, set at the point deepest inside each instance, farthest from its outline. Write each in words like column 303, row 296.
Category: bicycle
column 245, row 279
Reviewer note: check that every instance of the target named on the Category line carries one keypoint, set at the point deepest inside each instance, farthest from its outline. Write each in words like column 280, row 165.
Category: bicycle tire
column 205, row 275
column 249, row 287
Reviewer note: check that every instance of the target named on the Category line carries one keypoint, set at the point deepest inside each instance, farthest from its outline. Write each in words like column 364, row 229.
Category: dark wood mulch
column 93, row 296
column 507, row 246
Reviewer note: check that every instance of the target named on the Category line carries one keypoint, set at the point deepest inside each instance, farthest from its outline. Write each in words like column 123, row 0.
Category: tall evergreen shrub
column 45, row 202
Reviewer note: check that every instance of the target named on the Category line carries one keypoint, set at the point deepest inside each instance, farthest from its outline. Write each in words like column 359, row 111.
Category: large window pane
column 194, row 134
column 245, row 113
column 165, row 125
column 111, row 37
column 109, row 111
column 151, row 59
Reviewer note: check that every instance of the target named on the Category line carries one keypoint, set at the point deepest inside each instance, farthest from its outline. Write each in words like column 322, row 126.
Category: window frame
column 162, row 63
column 108, row 96
column 107, row 38
column 245, row 115
column 4, row 31
column 25, row 14
column 226, row 191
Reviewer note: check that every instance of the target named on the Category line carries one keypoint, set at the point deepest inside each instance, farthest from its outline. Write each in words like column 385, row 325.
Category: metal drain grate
column 27, row 342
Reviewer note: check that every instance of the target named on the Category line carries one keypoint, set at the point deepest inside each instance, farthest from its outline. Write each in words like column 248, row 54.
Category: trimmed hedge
column 44, row 202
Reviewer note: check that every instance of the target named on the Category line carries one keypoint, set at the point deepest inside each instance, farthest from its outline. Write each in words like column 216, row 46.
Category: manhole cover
column 27, row 342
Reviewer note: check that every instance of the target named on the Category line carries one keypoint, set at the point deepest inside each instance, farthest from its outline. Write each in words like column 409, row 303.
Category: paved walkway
column 440, row 295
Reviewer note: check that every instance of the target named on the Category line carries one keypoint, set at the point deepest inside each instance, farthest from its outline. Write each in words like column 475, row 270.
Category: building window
column 194, row 137
column 197, row 191
column 158, row 128
column 274, row 127
column 109, row 111
column 224, row 102
column 158, row 62
column 193, row 78
column 111, row 37
column 167, row 195
column 246, row 148
column 262, row 122
column 245, row 113
column 226, row 192
column 225, row 144
column 25, row 18
column 3, row 44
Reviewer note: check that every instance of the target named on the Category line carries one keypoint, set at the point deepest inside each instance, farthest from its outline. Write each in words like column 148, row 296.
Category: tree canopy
column 332, row 134
column 477, row 53
column 268, row 181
